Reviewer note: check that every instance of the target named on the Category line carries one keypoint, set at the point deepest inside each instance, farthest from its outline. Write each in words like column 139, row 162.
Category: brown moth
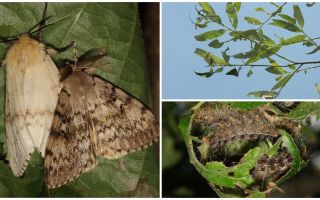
column 93, row 118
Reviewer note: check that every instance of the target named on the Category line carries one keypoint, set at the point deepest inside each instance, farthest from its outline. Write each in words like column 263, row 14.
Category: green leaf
column 245, row 55
column 314, row 50
column 282, row 82
column 298, row 163
column 285, row 25
column 210, row 58
column 317, row 86
column 264, row 53
column 237, row 5
column 214, row 18
column 288, row 18
column 275, row 69
column 216, row 44
column 273, row 62
column 200, row 52
column 310, row 4
column 250, row 72
column 253, row 21
column 206, row 74
column 263, row 94
column 92, row 25
column 292, row 67
column 225, row 56
column 259, row 9
column 232, row 14
column 199, row 24
column 298, row 15
column 279, row 77
column 294, row 40
column 308, row 43
column 207, row 7
column 248, row 34
column 210, row 35
column 233, row 72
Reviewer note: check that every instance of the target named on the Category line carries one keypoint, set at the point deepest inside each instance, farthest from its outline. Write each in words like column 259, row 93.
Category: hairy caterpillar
column 228, row 133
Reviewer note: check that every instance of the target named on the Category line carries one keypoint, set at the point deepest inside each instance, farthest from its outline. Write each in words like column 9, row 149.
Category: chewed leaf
column 253, row 21
column 298, row 15
column 210, row 58
column 207, row 7
column 210, row 35
column 285, row 25
column 216, row 44
column 231, row 10
column 282, row 82
column 297, row 163
column 294, row 40
column 206, row 74
column 288, row 18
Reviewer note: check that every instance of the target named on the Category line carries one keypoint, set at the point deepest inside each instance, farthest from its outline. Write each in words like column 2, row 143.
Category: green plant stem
column 308, row 68
column 270, row 17
column 265, row 65
column 310, row 39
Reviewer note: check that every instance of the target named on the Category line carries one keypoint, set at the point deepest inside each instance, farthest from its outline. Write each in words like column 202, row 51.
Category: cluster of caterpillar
column 227, row 134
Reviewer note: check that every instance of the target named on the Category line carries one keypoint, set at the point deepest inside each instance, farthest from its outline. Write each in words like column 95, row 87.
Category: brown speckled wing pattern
column 94, row 118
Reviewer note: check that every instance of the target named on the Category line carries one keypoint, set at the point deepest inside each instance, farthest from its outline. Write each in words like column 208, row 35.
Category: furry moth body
column 32, row 88
column 94, row 118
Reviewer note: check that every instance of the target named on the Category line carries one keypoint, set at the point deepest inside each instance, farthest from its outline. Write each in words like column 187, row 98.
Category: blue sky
column 179, row 61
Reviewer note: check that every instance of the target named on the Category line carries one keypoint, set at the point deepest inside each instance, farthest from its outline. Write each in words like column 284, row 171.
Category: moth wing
column 122, row 124
column 42, row 87
column 69, row 150
column 32, row 88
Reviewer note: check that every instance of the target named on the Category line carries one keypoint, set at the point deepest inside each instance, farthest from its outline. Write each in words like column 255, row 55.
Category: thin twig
column 310, row 39
column 308, row 68
column 289, row 79
column 270, row 17
column 265, row 65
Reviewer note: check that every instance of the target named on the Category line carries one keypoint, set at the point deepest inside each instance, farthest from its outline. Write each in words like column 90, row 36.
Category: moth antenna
column 7, row 39
column 43, row 21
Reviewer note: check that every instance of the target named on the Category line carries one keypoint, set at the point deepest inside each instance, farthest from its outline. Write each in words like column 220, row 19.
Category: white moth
column 32, row 88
